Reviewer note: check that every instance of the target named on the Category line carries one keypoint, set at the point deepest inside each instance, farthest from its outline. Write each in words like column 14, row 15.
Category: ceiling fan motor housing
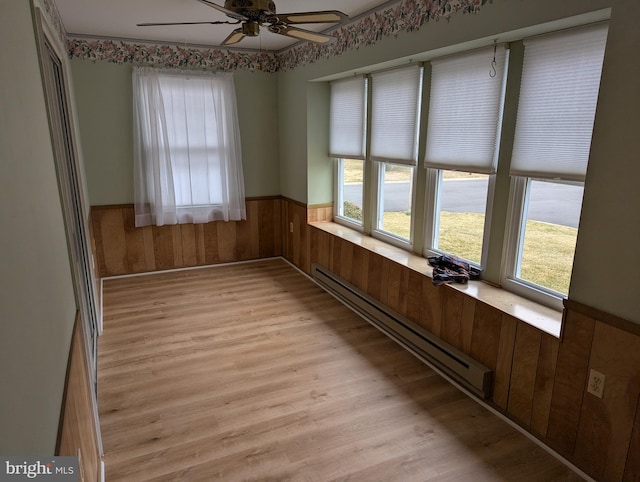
column 251, row 29
column 254, row 10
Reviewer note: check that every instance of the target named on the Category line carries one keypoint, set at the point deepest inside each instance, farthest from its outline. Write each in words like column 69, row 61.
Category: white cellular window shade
column 558, row 95
column 465, row 109
column 395, row 105
column 348, row 118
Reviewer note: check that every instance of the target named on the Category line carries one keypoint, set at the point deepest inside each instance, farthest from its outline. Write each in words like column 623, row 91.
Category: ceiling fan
column 252, row 14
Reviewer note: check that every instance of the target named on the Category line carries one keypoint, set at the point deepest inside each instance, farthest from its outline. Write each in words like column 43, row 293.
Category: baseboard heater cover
column 462, row 368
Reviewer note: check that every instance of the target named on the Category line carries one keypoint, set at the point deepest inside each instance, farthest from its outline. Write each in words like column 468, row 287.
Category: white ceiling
column 118, row 19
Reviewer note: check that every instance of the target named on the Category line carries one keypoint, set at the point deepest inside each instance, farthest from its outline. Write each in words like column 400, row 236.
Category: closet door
column 65, row 150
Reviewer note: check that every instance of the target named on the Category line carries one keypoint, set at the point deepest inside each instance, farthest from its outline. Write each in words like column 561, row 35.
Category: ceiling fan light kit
column 253, row 14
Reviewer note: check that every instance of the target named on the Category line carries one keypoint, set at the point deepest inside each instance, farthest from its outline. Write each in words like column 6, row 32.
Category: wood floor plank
column 252, row 372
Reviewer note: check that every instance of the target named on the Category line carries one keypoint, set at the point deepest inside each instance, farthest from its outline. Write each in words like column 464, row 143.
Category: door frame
column 57, row 93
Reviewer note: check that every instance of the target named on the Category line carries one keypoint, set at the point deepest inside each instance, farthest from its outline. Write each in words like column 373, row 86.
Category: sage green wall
column 257, row 95
column 606, row 270
column 37, row 304
column 610, row 223
column 103, row 96
column 319, row 168
column 292, row 131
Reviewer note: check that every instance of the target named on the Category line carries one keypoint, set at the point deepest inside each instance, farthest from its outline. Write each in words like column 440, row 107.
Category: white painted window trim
column 338, row 213
column 377, row 208
column 512, row 251
column 432, row 220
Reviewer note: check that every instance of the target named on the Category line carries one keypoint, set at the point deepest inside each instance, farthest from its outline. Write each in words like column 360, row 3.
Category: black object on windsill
column 451, row 269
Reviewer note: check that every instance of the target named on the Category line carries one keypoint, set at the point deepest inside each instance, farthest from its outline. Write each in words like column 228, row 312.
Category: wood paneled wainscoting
column 540, row 380
column 77, row 435
column 121, row 248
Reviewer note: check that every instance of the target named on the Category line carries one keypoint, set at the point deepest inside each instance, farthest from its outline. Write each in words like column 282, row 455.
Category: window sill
column 530, row 312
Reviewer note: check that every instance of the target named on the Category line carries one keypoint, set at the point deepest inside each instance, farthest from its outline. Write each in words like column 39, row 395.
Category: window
column 188, row 162
column 393, row 139
column 541, row 93
column 347, row 146
column 549, row 230
column 460, row 213
column 350, row 190
column 556, row 111
column 395, row 200
column 462, row 148
column 395, row 113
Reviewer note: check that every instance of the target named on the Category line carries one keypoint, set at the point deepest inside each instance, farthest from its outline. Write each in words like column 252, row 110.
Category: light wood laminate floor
column 252, row 372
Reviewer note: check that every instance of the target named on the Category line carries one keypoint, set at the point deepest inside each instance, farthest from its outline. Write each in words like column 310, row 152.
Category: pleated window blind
column 395, row 114
column 556, row 110
column 465, row 109
column 348, row 118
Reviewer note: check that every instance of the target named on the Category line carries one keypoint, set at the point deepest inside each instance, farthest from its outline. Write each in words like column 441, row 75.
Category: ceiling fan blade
column 234, row 37
column 302, row 34
column 180, row 23
column 226, row 11
column 326, row 16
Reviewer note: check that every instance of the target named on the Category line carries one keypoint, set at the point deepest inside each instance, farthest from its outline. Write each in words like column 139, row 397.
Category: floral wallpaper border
column 407, row 15
column 121, row 52
column 55, row 20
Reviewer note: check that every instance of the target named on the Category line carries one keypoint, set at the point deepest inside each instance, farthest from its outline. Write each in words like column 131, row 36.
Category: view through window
column 551, row 214
column 396, row 185
column 351, row 187
column 461, row 214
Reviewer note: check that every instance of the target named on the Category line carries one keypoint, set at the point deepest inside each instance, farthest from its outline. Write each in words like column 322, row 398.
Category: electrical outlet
column 596, row 383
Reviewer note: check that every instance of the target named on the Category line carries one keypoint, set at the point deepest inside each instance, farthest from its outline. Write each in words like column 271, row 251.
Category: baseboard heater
column 466, row 371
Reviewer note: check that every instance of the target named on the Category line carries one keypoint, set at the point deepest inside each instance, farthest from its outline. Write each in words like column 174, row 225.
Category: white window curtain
column 465, row 111
column 187, row 157
column 395, row 115
column 558, row 96
column 348, row 118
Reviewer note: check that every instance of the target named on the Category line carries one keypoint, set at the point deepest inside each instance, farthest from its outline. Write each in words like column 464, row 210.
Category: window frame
column 520, row 185
column 432, row 221
column 512, row 252
column 182, row 151
column 164, row 163
column 379, row 161
column 339, row 196
column 435, row 168
column 377, row 206
column 514, row 242
column 504, row 223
